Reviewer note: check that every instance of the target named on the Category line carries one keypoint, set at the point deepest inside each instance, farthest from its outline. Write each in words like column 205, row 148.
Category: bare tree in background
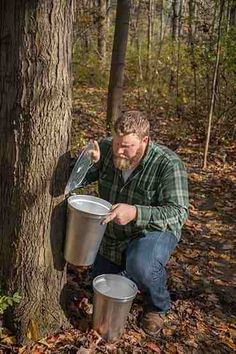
column 102, row 28
column 115, row 89
column 214, row 84
column 149, row 35
column 191, row 5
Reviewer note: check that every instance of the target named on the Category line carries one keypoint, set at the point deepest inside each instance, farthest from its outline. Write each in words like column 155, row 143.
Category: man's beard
column 124, row 163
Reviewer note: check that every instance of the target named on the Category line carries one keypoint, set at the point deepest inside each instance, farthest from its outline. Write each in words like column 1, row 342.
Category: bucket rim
column 119, row 299
column 90, row 199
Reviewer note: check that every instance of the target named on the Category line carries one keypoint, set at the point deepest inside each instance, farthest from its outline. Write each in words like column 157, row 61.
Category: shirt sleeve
column 172, row 211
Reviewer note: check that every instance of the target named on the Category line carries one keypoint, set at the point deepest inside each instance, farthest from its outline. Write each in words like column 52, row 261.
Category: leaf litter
column 201, row 271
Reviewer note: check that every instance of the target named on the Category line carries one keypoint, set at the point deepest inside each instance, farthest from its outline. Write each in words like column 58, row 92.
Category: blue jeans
column 145, row 262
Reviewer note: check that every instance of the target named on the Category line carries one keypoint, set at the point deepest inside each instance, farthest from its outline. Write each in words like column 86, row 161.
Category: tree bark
column 35, row 110
column 102, row 29
column 115, row 89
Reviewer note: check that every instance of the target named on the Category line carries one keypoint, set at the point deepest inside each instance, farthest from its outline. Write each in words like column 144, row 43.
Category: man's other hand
column 121, row 214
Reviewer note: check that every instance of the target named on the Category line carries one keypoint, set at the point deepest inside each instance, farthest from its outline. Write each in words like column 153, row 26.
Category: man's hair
column 132, row 122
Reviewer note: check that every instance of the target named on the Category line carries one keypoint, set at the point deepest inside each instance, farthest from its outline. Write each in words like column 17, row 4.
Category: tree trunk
column 108, row 13
column 192, row 51
column 115, row 89
column 214, row 86
column 161, row 21
column 174, row 35
column 174, row 21
column 233, row 15
column 178, row 111
column 135, row 38
column 102, row 29
column 149, row 37
column 35, row 110
column 163, row 28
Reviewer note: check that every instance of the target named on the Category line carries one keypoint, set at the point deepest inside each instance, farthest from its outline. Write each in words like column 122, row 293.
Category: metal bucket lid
column 115, row 286
column 82, row 165
column 89, row 204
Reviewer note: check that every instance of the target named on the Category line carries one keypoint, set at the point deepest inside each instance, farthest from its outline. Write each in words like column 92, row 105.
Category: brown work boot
column 152, row 322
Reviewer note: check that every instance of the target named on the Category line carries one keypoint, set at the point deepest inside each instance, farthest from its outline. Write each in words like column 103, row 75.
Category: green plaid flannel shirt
column 158, row 188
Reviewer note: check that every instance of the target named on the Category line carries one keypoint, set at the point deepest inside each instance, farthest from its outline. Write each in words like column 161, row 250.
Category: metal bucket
column 84, row 230
column 113, row 296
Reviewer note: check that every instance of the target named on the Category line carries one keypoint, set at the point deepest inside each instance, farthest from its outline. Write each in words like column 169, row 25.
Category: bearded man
column 146, row 184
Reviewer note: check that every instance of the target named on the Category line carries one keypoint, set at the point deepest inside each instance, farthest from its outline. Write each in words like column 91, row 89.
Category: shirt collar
column 146, row 154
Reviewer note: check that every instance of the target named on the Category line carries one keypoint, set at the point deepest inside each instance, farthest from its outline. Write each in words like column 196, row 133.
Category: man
column 147, row 185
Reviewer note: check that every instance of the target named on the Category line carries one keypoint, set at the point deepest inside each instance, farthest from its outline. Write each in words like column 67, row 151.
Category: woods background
column 173, row 59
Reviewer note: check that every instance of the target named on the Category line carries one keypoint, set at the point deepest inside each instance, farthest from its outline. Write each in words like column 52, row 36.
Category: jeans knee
column 144, row 274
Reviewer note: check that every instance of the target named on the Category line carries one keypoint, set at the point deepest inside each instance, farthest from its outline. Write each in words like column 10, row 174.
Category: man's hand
column 121, row 214
column 94, row 151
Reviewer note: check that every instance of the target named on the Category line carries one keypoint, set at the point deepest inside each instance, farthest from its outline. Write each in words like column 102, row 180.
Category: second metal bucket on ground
column 113, row 297
column 84, row 230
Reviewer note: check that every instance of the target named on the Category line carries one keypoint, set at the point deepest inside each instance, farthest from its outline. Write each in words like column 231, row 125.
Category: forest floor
column 202, row 270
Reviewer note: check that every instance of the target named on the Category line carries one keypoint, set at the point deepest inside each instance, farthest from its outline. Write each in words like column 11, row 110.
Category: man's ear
column 145, row 139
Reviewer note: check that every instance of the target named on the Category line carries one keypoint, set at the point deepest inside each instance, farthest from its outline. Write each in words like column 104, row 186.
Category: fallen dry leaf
column 8, row 339
column 84, row 351
column 153, row 347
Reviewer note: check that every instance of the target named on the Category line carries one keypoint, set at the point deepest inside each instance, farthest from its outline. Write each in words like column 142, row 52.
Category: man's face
column 128, row 150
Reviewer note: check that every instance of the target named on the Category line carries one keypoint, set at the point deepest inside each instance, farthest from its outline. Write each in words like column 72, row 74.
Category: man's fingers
column 109, row 217
column 114, row 206
column 96, row 146
column 94, row 151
